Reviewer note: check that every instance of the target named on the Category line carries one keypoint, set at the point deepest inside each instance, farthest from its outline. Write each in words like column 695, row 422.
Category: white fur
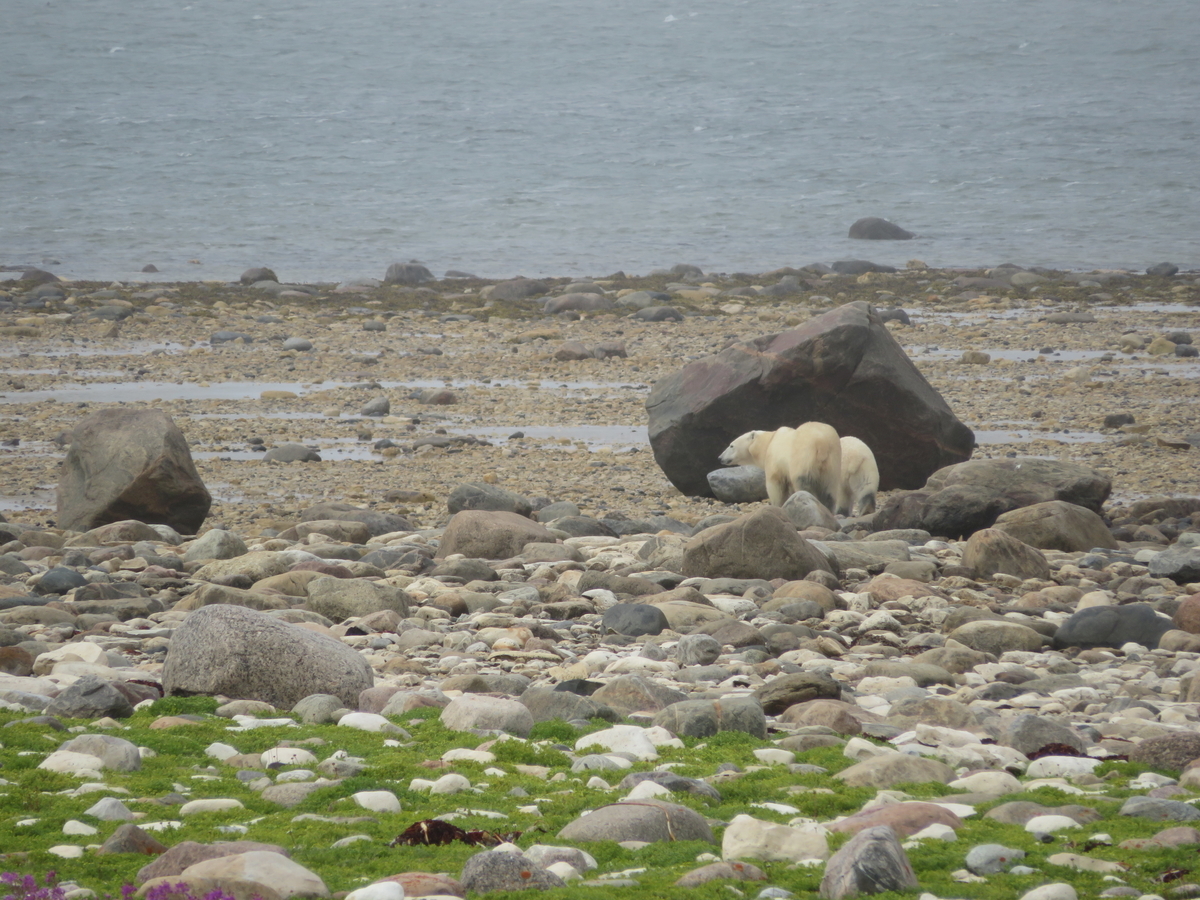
column 860, row 478
column 808, row 458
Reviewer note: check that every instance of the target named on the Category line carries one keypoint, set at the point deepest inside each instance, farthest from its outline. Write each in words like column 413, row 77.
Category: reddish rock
column 904, row 818
column 426, row 884
column 1187, row 615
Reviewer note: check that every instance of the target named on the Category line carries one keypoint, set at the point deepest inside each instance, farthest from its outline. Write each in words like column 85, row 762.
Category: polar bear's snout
column 726, row 457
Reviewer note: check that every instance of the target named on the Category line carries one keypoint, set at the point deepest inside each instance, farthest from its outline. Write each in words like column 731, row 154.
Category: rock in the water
column 1163, row 270
column 639, row 820
column 1113, row 626
column 407, row 273
column 514, row 289
column 130, row 464
column 289, row 451
column 761, row 544
column 258, row 273
column 871, row 862
column 251, row 656
column 379, row 406
column 873, row 228
column 843, row 368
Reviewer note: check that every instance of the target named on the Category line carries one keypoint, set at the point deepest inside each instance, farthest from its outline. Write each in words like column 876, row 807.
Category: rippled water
column 539, row 136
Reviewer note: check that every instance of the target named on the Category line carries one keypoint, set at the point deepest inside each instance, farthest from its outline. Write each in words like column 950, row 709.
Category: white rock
column 450, row 783
column 246, row 723
column 1083, row 863
column 1061, row 766
column 859, row 749
column 464, row 753
column 295, row 775
column 749, row 838
column 1050, row 824
column 66, row 851
column 1057, row 891
column 110, row 809
column 79, row 651
column 564, row 870
column 775, row 756
column 377, row 801
column 383, row 890
column 660, row 737
column 212, row 804
column 288, row 756
column 420, row 784
column 646, row 790
column 367, row 722
column 997, row 783
column 68, row 762
column 220, row 751
column 286, row 876
column 935, row 832
column 75, row 827
column 621, row 739
column 596, row 783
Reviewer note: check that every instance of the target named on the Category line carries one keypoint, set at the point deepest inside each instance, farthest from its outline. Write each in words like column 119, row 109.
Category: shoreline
column 90, row 344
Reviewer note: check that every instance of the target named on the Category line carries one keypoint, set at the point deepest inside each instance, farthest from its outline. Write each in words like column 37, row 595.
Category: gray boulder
column 289, row 452
column 1030, row 733
column 90, row 698
column 871, row 862
column 842, row 367
column 631, row 693
column 407, row 274
column 339, row 599
column 248, row 655
column 498, row 870
column 634, row 619
column 738, row 484
column 547, row 704
column 704, row 718
column 787, row 690
column 761, row 544
column 639, row 820
column 1112, row 626
column 1180, row 564
column 116, row 753
column 806, row 511
column 130, row 464
column 961, row 499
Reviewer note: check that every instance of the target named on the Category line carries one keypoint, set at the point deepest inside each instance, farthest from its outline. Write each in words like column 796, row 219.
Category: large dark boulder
column 964, row 498
column 873, row 228
column 130, row 464
column 407, row 273
column 843, row 368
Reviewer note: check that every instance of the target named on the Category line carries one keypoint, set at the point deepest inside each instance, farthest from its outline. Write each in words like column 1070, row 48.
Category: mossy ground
column 180, row 760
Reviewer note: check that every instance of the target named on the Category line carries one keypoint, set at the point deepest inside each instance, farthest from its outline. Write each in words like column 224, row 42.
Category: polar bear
column 808, row 458
column 860, row 478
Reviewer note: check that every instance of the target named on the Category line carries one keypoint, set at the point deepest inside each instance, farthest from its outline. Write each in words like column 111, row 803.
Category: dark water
column 537, row 136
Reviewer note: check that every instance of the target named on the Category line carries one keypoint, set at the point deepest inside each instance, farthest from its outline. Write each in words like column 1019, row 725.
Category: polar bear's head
column 741, row 452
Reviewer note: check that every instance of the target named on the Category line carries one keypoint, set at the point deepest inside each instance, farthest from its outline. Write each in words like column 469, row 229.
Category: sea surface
column 329, row 138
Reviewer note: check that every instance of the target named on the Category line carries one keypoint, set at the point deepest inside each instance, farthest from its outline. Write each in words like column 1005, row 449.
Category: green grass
column 559, row 799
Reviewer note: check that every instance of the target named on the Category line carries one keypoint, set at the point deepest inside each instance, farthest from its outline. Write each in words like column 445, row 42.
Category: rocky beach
column 416, row 605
